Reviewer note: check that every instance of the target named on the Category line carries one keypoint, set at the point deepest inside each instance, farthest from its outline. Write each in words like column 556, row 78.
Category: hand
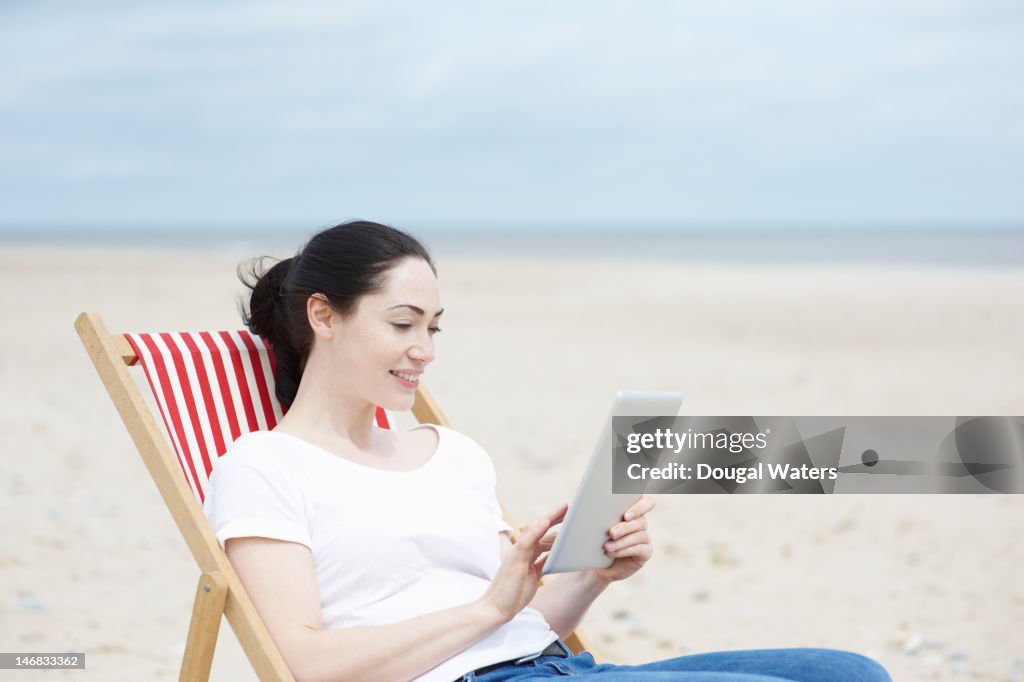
column 519, row 575
column 629, row 543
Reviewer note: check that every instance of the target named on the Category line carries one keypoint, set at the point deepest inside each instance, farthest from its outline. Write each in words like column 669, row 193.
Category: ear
column 321, row 316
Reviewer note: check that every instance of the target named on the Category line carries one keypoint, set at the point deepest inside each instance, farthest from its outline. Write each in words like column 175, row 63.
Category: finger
column 558, row 514
column 548, row 540
column 643, row 552
column 530, row 534
column 639, row 508
column 622, row 529
column 534, row 526
column 553, row 518
column 539, row 564
column 631, row 540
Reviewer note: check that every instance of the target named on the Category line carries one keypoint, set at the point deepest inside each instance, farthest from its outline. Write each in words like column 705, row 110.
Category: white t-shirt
column 387, row 545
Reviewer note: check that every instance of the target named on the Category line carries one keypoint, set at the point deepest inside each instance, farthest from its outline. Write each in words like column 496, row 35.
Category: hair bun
column 266, row 300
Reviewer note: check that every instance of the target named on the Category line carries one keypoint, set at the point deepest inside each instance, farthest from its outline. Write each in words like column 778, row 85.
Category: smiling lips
column 407, row 379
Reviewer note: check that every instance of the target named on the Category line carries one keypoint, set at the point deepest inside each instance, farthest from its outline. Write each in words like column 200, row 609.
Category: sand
column 530, row 355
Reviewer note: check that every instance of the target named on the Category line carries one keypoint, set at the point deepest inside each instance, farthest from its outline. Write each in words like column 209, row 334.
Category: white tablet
column 595, row 508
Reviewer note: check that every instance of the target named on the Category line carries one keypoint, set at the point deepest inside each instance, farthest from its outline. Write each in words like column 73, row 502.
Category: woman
column 375, row 554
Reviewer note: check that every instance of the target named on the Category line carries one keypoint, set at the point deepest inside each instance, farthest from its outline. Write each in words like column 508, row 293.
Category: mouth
column 406, row 379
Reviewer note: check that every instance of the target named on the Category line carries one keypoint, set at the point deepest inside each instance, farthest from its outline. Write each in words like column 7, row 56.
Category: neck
column 323, row 411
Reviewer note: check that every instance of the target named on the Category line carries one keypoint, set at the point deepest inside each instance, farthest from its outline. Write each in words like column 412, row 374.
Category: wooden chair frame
column 219, row 590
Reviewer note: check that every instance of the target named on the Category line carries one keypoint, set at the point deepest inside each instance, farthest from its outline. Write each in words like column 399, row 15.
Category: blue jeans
column 757, row 665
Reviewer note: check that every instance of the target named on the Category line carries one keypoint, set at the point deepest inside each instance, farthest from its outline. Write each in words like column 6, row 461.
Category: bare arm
column 281, row 581
column 565, row 598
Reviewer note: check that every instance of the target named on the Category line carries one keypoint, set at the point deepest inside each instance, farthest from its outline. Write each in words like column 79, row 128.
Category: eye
column 405, row 326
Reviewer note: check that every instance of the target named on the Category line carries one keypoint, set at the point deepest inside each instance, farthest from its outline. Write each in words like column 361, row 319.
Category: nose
column 423, row 350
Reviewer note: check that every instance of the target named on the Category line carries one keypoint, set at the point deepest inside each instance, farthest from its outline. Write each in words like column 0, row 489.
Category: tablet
column 579, row 545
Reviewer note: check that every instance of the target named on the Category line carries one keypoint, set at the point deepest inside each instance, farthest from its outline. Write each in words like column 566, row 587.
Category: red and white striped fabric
column 210, row 388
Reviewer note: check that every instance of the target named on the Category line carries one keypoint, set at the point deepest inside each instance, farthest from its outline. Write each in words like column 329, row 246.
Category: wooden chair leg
column 211, row 594
column 577, row 642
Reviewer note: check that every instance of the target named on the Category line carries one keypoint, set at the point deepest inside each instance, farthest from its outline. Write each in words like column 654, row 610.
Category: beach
column 531, row 353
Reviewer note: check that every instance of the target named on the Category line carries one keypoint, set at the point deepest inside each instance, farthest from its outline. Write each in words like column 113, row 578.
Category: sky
column 576, row 114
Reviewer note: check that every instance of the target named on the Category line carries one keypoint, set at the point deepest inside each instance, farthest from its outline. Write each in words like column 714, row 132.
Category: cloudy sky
column 697, row 114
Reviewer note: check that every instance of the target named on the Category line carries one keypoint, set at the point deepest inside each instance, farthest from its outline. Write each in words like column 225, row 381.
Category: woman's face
column 384, row 346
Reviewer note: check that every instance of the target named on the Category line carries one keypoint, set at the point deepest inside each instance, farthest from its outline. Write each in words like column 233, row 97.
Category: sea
column 994, row 248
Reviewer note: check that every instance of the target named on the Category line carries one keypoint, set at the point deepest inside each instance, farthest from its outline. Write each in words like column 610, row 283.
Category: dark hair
column 343, row 263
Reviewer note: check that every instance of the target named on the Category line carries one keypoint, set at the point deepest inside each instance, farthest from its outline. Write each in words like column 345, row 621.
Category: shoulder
column 258, row 448
column 260, row 454
column 254, row 492
column 464, row 448
column 452, row 439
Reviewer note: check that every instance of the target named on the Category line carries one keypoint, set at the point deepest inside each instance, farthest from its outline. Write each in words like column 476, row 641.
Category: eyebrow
column 415, row 309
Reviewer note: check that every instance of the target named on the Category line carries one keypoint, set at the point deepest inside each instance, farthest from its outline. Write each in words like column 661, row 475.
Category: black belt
column 556, row 648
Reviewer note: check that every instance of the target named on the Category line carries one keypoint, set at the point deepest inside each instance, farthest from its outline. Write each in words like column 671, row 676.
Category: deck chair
column 209, row 388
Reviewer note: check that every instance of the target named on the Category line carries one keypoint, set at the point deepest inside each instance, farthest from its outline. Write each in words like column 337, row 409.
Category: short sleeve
column 491, row 480
column 492, row 500
column 251, row 495
column 499, row 519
